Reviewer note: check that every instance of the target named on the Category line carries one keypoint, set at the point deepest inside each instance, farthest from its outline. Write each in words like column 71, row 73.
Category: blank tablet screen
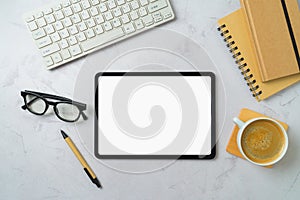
column 155, row 115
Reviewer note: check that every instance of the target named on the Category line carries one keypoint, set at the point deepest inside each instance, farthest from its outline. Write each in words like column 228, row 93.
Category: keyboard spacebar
column 102, row 39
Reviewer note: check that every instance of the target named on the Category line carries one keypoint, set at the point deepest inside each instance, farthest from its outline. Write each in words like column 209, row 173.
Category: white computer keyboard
column 76, row 28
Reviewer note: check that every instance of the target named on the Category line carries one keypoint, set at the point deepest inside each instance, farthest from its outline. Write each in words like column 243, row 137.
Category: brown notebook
column 236, row 33
column 275, row 28
column 244, row 115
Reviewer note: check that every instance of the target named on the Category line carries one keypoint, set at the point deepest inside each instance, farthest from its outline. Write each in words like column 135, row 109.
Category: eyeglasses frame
column 44, row 96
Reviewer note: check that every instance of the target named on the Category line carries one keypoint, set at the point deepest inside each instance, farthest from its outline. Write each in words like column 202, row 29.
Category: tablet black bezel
column 181, row 157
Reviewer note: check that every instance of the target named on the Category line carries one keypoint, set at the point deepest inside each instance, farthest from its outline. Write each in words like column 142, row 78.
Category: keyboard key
column 107, row 26
column 72, row 40
column 85, row 15
column 139, row 24
column 73, row 30
column 155, row 6
column 41, row 22
column 99, row 19
column 144, row 2
column 75, row 18
column 166, row 13
column 66, row 3
column 57, row 7
column 50, row 49
column 49, row 29
column 134, row 15
column 99, row 29
column 116, row 23
column 95, row 2
column 49, row 18
column 157, row 17
column 37, row 34
column 39, row 15
column 90, row 33
column 148, row 20
column 56, row 58
column 111, row 4
column 29, row 18
column 48, row 61
column 126, row 8
column 108, row 16
column 55, row 37
column 64, row 33
column 82, row 26
column 120, row 2
column 43, row 42
column 117, row 12
column 129, row 28
column 102, row 7
column 75, row 50
column 32, row 26
column 67, row 22
column 91, row 23
column 143, row 12
column 48, row 11
column 68, row 11
column 58, row 26
column 94, row 11
column 81, row 37
column 135, row 5
column 59, row 15
column 63, row 44
column 102, row 39
column 76, row 7
column 65, row 54
column 125, row 19
column 85, row 4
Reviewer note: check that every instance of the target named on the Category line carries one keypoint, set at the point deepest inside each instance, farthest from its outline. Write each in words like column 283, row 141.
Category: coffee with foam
column 263, row 141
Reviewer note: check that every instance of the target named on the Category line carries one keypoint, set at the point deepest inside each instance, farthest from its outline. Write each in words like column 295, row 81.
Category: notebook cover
column 275, row 26
column 244, row 115
column 236, row 32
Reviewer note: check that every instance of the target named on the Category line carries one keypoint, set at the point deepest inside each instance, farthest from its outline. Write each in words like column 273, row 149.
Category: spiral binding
column 240, row 61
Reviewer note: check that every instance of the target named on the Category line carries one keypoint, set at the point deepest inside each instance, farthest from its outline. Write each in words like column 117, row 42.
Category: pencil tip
column 64, row 134
column 97, row 182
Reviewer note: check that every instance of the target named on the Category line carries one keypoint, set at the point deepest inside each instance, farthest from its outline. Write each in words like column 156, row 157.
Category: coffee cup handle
column 238, row 122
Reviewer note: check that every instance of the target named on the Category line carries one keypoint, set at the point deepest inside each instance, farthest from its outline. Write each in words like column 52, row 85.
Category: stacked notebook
column 264, row 37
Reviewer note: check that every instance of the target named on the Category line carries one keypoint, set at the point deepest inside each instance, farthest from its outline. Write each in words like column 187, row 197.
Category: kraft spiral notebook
column 236, row 33
column 275, row 28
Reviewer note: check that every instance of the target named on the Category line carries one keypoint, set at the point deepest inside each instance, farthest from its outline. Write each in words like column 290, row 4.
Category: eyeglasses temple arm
column 50, row 96
column 84, row 116
column 58, row 98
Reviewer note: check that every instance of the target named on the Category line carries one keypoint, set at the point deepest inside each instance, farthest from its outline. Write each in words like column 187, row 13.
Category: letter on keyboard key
column 56, row 57
column 129, row 28
column 50, row 49
column 48, row 61
column 38, row 34
column 148, row 20
column 155, row 6
column 75, row 50
column 43, row 42
column 102, row 39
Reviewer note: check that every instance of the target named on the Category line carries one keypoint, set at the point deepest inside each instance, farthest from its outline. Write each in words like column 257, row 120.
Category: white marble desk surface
column 35, row 163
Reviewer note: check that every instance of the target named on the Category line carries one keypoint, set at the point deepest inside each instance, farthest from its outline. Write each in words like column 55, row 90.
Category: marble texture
column 36, row 163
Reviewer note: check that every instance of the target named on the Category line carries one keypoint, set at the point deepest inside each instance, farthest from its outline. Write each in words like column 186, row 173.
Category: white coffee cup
column 243, row 125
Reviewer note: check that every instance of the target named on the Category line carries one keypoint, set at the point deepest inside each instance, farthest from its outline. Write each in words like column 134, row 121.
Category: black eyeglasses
column 64, row 108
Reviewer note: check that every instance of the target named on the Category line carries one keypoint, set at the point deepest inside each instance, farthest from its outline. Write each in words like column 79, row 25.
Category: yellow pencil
column 86, row 167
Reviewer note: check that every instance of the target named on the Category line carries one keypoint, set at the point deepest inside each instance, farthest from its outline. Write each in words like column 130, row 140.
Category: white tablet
column 155, row 115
